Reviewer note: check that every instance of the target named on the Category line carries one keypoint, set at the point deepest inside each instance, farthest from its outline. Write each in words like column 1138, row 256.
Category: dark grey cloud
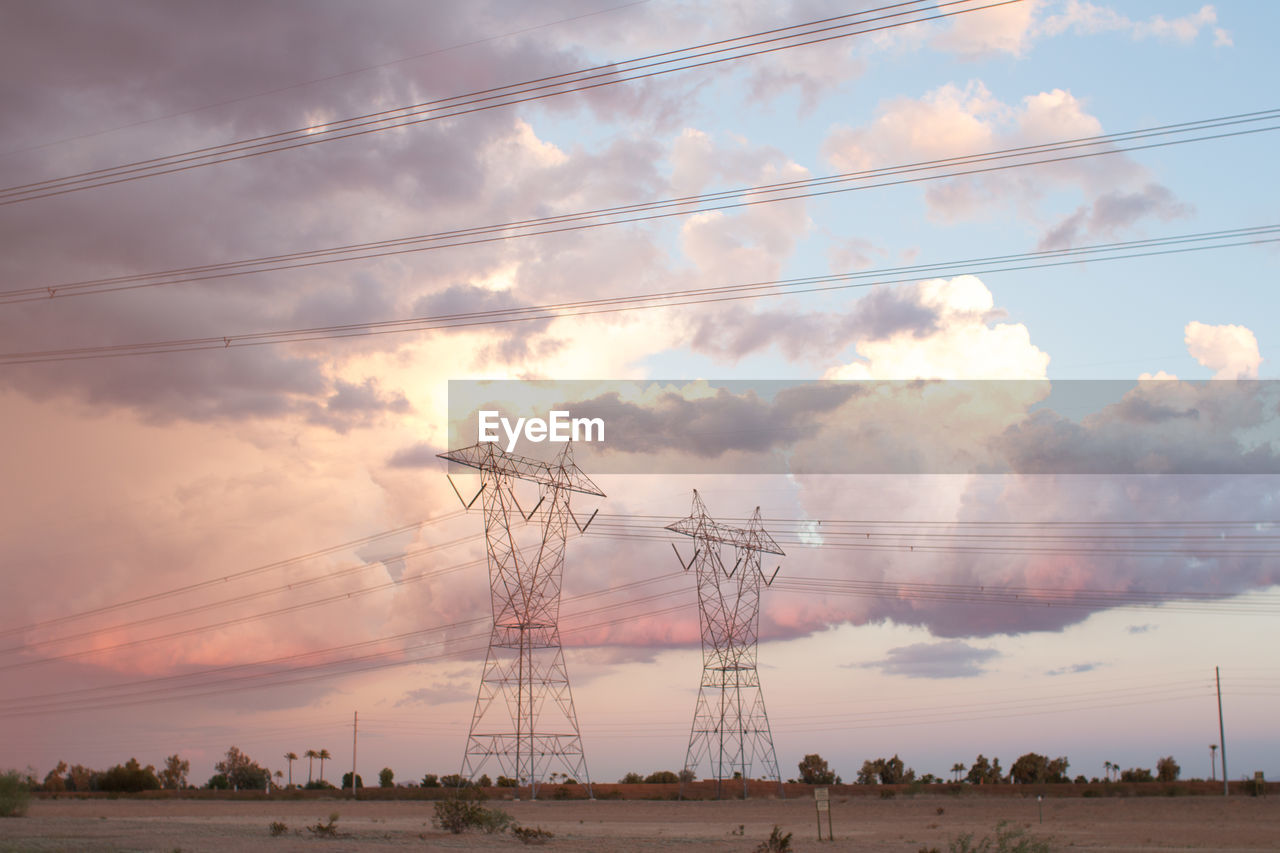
column 420, row 455
column 1112, row 213
column 881, row 313
column 352, row 405
column 715, row 425
column 1074, row 669
column 439, row 693
column 949, row 659
column 1162, row 427
column 72, row 69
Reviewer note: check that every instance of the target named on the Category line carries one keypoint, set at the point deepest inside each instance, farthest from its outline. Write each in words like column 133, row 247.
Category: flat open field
column 606, row 826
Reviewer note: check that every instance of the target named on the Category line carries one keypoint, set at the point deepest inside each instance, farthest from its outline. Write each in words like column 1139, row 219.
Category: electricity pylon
column 730, row 726
column 524, row 715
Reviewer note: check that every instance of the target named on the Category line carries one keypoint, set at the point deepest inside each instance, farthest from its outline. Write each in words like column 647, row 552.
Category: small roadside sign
column 822, row 801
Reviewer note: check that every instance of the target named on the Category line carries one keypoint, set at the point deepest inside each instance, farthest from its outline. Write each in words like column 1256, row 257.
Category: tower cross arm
column 750, row 539
column 489, row 457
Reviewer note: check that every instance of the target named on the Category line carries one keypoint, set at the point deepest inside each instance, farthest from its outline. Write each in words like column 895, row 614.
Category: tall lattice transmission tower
column 524, row 716
column 730, row 726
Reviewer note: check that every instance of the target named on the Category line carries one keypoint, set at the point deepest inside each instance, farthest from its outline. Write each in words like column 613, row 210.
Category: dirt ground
column 618, row 826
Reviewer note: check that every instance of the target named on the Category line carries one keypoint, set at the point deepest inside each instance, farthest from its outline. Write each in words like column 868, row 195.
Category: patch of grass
column 14, row 794
column 278, row 827
column 1007, row 839
column 776, row 842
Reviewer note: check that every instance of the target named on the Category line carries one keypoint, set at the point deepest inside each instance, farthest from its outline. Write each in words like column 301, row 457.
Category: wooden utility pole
column 1222, row 732
column 355, row 721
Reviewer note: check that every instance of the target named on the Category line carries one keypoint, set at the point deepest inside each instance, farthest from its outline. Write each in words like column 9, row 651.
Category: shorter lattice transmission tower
column 524, row 717
column 730, row 727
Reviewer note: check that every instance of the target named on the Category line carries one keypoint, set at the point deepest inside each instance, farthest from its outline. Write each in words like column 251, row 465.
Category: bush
column 776, row 842
column 493, row 820
column 458, row 815
column 531, row 834
column 386, row 778
column 326, row 830
column 346, row 781
column 631, row 779
column 507, row 782
column 431, row 780
column 661, row 776
column 15, row 793
column 278, row 827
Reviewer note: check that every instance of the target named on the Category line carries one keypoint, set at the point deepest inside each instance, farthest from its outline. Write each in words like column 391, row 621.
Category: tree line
column 1029, row 769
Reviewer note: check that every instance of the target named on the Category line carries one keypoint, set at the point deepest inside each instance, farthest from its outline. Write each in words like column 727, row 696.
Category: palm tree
column 1213, row 762
column 291, row 757
column 323, row 756
column 279, row 776
column 957, row 769
column 1107, row 765
column 311, row 756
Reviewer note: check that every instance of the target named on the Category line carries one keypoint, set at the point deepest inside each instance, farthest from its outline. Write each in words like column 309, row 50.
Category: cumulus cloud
column 957, row 120
column 1085, row 18
column 899, row 332
column 1005, row 29
column 940, row 328
column 1230, row 351
column 1013, row 29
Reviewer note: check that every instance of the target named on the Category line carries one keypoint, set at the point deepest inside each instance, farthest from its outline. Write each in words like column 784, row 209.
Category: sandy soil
column 602, row 826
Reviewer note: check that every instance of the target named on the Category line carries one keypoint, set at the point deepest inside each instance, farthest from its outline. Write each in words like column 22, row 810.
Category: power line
column 741, row 197
column 618, row 526
column 327, row 78
column 1181, row 244
column 292, row 661
column 291, row 586
column 191, row 587
column 699, row 56
column 363, row 663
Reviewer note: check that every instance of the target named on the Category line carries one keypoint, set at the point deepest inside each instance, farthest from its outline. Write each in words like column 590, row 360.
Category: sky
column 227, row 539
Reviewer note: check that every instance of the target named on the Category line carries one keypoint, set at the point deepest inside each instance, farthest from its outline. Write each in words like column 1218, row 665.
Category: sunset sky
column 224, row 519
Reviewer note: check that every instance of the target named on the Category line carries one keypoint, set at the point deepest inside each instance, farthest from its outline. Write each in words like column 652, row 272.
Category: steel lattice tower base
column 524, row 717
column 730, row 726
